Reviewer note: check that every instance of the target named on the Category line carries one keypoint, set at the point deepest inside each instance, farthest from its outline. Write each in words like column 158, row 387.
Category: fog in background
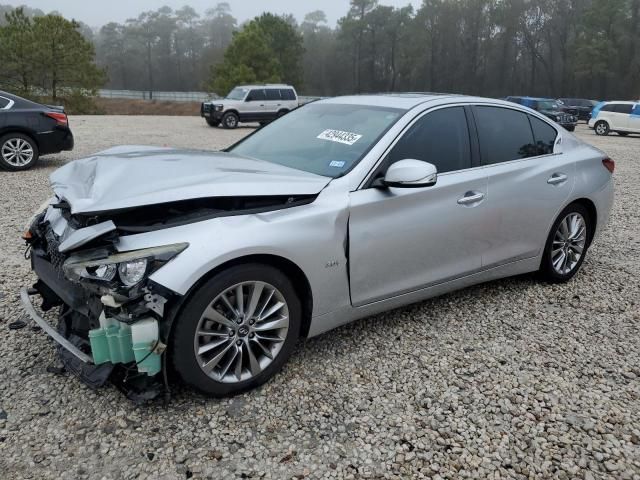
column 97, row 13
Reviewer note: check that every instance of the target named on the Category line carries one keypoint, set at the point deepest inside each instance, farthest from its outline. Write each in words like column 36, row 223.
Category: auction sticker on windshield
column 348, row 138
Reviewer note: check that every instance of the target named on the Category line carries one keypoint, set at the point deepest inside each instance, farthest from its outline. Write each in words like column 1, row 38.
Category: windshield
column 237, row 94
column 321, row 138
column 548, row 105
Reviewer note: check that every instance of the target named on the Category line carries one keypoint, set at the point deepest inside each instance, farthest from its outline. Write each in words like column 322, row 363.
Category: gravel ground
column 513, row 379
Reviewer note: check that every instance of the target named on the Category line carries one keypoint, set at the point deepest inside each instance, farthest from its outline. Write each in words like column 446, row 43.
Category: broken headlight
column 129, row 267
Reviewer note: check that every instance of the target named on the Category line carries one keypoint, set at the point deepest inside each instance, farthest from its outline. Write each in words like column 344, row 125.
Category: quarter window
column 504, row 135
column 287, row 94
column 3, row 102
column 544, row 134
column 440, row 138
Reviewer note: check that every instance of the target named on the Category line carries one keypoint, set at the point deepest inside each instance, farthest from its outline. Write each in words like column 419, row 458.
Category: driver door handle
column 470, row 198
column 557, row 178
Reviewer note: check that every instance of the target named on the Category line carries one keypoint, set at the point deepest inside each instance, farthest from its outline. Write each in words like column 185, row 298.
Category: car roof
column 621, row 102
column 266, row 85
column 409, row 100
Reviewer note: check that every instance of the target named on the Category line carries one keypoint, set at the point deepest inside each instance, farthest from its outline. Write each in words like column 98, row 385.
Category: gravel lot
column 512, row 379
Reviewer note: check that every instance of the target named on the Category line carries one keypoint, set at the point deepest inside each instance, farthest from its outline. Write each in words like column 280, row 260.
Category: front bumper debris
column 52, row 332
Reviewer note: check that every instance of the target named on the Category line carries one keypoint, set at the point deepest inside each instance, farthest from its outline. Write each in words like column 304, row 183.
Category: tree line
column 583, row 48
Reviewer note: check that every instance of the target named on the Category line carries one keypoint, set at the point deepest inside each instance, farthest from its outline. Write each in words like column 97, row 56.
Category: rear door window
column 273, row 94
column 440, row 138
column 544, row 134
column 610, row 107
column 624, row 108
column 504, row 135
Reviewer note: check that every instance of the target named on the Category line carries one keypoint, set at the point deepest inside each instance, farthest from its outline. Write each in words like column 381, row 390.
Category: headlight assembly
column 129, row 268
column 218, row 108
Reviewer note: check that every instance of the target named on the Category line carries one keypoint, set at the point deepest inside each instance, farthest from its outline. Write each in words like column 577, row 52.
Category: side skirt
column 331, row 320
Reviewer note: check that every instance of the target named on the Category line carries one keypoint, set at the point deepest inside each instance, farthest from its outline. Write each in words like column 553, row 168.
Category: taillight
column 60, row 118
column 609, row 164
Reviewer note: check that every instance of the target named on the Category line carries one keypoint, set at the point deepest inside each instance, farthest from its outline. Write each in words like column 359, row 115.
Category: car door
column 634, row 119
column 254, row 107
column 528, row 182
column 623, row 116
column 404, row 239
column 273, row 102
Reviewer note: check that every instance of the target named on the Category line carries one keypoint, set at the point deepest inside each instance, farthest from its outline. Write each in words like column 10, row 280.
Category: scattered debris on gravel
column 513, row 379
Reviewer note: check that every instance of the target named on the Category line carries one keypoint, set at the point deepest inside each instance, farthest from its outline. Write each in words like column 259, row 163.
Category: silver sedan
column 215, row 263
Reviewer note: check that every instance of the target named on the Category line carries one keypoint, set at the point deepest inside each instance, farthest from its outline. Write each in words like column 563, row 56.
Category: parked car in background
column 250, row 103
column 579, row 106
column 549, row 108
column 29, row 130
column 343, row 208
column 620, row 117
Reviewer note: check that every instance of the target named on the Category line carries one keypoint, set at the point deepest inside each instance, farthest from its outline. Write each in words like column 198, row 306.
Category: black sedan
column 28, row 130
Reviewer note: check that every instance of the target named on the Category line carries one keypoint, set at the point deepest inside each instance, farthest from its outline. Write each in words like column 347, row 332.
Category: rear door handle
column 557, row 179
column 471, row 198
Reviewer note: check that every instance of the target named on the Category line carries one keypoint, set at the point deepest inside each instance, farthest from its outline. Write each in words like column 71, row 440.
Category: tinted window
column 256, row 95
column 287, row 94
column 544, row 134
column 3, row 102
column 623, row 108
column 608, row 108
column 273, row 94
column 504, row 135
column 440, row 138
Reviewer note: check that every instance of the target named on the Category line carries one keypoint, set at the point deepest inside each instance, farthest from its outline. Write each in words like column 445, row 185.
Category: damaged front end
column 112, row 321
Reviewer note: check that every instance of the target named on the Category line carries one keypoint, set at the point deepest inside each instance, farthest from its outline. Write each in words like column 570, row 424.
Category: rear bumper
column 55, row 141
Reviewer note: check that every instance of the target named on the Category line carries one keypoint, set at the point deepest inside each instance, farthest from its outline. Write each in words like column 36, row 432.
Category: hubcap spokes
column 241, row 332
column 17, row 152
column 568, row 243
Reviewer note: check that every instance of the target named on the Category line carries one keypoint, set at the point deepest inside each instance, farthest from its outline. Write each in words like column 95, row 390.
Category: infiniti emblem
column 243, row 331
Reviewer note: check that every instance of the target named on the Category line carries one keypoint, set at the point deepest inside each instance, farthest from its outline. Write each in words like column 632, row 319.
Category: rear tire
column 623, row 134
column 602, row 128
column 235, row 330
column 18, row 152
column 230, row 120
column 569, row 239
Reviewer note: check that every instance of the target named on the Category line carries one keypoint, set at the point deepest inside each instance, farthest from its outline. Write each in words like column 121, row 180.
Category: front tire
column 212, row 123
column 570, row 129
column 18, row 152
column 230, row 120
column 237, row 330
column 566, row 245
column 602, row 128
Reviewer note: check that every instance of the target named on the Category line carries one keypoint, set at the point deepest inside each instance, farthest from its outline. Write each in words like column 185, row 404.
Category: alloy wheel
column 231, row 121
column 569, row 243
column 601, row 128
column 17, row 152
column 241, row 332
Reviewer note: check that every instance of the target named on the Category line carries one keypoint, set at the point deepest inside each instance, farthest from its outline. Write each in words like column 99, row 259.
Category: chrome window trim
column 8, row 105
column 516, row 107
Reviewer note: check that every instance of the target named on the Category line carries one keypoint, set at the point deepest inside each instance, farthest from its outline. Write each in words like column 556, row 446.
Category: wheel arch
column 593, row 214
column 22, row 130
column 297, row 276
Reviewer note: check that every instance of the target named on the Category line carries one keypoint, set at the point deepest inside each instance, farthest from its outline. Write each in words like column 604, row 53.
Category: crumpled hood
column 132, row 176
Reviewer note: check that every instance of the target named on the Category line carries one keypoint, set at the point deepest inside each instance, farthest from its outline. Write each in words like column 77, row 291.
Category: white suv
column 620, row 117
column 250, row 103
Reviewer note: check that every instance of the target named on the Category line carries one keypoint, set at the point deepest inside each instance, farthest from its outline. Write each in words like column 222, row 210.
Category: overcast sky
column 98, row 12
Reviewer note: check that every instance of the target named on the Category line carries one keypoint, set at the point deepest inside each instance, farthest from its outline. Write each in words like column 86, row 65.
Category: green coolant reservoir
column 118, row 342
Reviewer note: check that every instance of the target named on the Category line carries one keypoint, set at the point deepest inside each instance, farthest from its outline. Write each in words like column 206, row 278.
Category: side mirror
column 410, row 174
